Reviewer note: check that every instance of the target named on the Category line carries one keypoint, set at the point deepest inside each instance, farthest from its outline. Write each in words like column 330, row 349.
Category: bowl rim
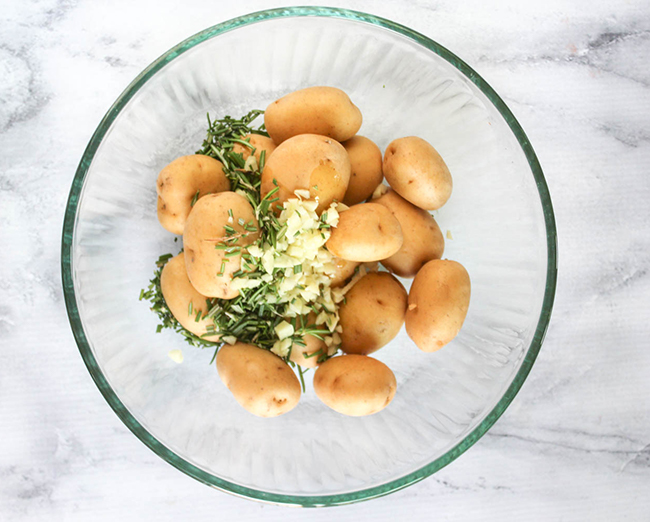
column 93, row 367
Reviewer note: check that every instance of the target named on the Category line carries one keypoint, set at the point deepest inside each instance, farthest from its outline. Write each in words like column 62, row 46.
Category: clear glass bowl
column 500, row 218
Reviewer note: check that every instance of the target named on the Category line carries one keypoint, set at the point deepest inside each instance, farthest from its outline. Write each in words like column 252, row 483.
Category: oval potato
column 365, row 160
column 355, row 385
column 205, row 230
column 178, row 184
column 178, row 293
column 423, row 240
column 308, row 162
column 437, row 304
column 365, row 232
column 314, row 110
column 372, row 313
column 415, row 170
column 260, row 381
column 259, row 142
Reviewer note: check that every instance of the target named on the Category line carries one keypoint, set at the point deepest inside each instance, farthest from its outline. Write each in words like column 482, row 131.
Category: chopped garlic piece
column 284, row 330
column 176, row 356
column 229, row 339
column 302, row 193
column 449, row 236
column 379, row 191
column 251, row 163
column 281, row 348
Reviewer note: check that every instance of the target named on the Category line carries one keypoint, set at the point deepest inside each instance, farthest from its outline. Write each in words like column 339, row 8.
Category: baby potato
column 208, row 269
column 178, row 184
column 366, row 232
column 343, row 270
column 415, row 170
column 423, row 240
column 315, row 110
column 179, row 294
column 365, row 159
column 260, row 381
column 437, row 304
column 372, row 313
column 259, row 142
column 308, row 162
column 355, row 385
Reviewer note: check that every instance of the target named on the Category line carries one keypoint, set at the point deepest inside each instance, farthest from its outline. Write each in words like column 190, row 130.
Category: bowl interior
column 497, row 229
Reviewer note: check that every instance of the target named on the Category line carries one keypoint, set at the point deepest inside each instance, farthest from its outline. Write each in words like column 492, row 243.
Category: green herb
column 195, row 198
column 153, row 294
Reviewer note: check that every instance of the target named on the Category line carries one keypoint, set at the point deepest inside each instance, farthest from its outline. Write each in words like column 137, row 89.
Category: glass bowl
column 499, row 223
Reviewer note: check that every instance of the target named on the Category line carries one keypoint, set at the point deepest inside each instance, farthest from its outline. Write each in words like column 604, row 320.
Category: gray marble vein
column 574, row 444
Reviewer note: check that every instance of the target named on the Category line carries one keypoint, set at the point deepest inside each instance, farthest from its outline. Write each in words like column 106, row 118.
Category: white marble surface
column 575, row 443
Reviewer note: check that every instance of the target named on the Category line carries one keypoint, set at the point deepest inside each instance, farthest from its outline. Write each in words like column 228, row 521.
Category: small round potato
column 259, row 142
column 308, row 162
column 366, row 232
column 415, row 170
column 343, row 270
column 355, row 385
column 438, row 303
column 423, row 240
column 260, row 381
column 372, row 313
column 180, row 182
column 209, row 271
column 182, row 299
column 365, row 159
column 314, row 110
column 307, row 356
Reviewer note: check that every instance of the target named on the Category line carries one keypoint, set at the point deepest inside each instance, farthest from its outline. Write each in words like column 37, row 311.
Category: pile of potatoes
column 313, row 146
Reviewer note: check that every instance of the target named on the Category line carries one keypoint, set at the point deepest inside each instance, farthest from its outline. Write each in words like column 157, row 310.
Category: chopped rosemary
column 195, row 198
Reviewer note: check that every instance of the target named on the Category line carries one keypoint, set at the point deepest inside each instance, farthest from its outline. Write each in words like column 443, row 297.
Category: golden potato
column 343, row 270
column 260, row 381
column 366, row 232
column 423, row 240
column 182, row 299
column 308, row 162
column 178, row 184
column 365, row 159
column 355, row 385
column 372, row 313
column 208, row 268
column 415, row 170
column 314, row 110
column 259, row 143
column 438, row 303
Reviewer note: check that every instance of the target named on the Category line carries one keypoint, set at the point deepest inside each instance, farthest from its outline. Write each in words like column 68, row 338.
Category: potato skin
column 372, row 313
column 314, row 110
column 177, row 185
column 259, row 142
column 423, row 240
column 179, row 293
column 415, row 170
column 344, row 270
column 308, row 162
column 260, row 381
column 204, row 230
column 438, row 304
column 355, row 385
column 366, row 162
column 365, row 233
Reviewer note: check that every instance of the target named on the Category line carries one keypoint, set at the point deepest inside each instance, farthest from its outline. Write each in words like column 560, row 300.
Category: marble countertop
column 574, row 444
